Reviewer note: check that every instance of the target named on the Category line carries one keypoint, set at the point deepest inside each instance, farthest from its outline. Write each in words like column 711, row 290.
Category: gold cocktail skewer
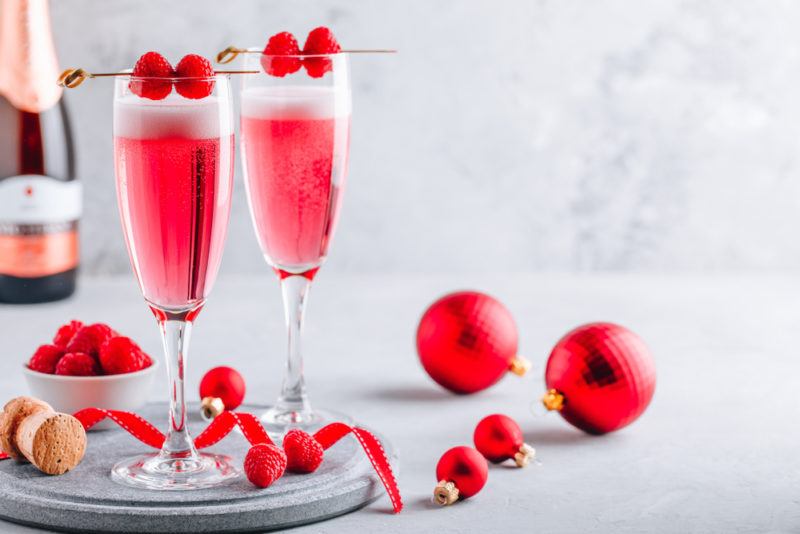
column 230, row 53
column 72, row 78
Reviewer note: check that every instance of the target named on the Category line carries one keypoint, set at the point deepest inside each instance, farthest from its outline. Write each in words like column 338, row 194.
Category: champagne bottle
column 40, row 197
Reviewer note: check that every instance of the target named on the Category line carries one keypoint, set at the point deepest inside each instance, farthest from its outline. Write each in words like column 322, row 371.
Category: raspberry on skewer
column 320, row 41
column 149, row 67
column 197, row 70
column 281, row 44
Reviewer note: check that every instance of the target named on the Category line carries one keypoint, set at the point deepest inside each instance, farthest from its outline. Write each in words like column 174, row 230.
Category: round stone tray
column 87, row 500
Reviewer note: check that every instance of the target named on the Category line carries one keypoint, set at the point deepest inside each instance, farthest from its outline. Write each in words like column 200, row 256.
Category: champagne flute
column 174, row 171
column 295, row 134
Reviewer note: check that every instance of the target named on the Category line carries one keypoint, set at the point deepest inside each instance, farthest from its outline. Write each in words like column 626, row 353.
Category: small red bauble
column 461, row 472
column 600, row 377
column 222, row 388
column 498, row 438
column 467, row 341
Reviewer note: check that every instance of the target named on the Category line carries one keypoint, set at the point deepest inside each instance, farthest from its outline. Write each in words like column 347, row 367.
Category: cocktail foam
column 298, row 102
column 175, row 116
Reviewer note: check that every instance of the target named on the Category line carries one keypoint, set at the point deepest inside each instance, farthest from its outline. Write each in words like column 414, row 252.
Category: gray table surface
column 715, row 452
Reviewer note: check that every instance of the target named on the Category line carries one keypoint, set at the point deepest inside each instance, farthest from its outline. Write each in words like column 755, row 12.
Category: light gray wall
column 507, row 134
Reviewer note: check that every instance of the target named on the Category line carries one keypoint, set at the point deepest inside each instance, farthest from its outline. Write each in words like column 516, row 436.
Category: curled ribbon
column 328, row 435
column 254, row 433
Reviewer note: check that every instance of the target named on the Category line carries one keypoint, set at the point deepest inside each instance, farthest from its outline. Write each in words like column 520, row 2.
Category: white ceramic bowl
column 68, row 394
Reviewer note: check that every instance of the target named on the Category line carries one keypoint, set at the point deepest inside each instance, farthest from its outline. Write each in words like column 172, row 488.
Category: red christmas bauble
column 498, row 438
column 461, row 473
column 467, row 341
column 224, row 383
column 600, row 377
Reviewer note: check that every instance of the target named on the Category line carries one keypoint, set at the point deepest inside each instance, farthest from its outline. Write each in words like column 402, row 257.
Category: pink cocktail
column 295, row 141
column 174, row 194
column 296, row 163
column 174, row 168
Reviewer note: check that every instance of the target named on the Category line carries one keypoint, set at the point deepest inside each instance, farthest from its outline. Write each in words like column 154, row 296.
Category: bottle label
column 38, row 225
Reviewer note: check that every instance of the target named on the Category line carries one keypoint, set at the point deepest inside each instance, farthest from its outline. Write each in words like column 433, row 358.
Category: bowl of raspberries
column 90, row 365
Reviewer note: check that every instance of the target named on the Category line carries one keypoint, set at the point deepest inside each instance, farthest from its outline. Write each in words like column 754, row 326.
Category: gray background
column 510, row 135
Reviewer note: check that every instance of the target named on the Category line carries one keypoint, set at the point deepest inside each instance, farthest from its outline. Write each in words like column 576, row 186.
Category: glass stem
column 293, row 402
column 175, row 332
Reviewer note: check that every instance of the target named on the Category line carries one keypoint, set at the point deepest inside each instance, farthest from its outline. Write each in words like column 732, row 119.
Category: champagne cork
column 53, row 442
column 14, row 412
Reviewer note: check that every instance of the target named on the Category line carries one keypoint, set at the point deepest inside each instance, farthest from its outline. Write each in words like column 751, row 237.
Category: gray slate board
column 87, row 500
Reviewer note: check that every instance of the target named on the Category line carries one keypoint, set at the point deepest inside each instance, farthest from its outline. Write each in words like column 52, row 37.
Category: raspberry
column 194, row 66
column 319, row 41
column 152, row 65
column 264, row 464
column 66, row 333
column 281, row 44
column 45, row 359
column 303, row 452
column 121, row 355
column 77, row 364
column 90, row 339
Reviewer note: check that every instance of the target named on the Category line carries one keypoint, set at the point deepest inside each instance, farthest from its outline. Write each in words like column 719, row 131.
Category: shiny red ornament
column 461, row 472
column 498, row 438
column 467, row 341
column 222, row 388
column 600, row 377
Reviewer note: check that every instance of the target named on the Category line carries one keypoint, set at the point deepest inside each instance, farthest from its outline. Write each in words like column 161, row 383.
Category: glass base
column 154, row 472
column 278, row 422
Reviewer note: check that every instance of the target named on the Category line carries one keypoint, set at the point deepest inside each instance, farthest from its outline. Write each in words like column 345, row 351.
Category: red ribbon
column 330, row 434
column 254, row 433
